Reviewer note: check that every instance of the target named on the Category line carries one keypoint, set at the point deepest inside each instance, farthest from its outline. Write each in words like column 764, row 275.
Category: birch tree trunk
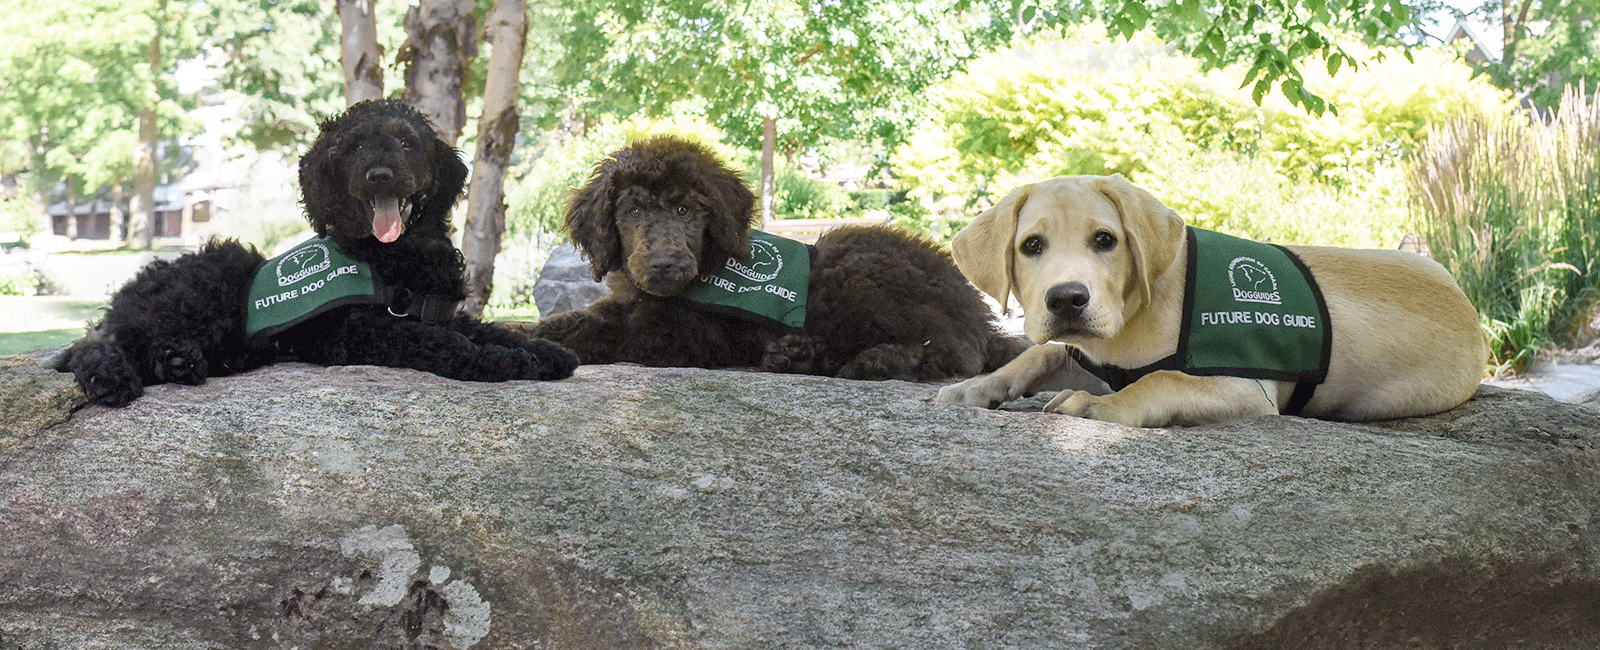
column 141, row 231
column 769, row 183
column 507, row 30
column 359, row 53
column 441, row 38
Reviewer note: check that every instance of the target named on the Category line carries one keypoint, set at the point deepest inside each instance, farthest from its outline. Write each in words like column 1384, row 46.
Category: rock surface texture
column 566, row 283
column 629, row 507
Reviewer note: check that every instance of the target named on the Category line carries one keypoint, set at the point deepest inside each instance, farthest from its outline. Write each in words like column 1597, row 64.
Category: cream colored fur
column 1406, row 341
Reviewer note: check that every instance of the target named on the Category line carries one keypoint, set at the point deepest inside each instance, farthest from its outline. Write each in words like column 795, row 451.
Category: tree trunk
column 507, row 30
column 117, row 227
column 41, row 205
column 769, row 184
column 359, row 52
column 441, row 38
column 1513, row 19
column 141, row 231
column 72, row 210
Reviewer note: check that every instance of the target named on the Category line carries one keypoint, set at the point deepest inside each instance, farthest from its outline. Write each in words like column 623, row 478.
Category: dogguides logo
column 303, row 282
column 1252, row 281
column 770, row 285
column 303, row 262
column 766, row 262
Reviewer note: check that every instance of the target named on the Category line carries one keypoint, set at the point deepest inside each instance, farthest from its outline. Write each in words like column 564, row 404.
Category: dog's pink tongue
column 386, row 222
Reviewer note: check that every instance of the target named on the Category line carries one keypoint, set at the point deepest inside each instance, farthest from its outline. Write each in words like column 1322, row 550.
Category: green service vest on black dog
column 1250, row 310
column 315, row 277
column 771, row 285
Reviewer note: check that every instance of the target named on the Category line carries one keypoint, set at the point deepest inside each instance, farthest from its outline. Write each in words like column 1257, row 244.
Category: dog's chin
column 1052, row 329
column 665, row 287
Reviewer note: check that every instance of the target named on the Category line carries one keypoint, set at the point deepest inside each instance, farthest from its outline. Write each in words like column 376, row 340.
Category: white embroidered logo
column 764, row 264
column 304, row 262
column 1252, row 281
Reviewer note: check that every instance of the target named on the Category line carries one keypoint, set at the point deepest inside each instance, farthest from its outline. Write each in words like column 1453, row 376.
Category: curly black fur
column 183, row 320
column 883, row 303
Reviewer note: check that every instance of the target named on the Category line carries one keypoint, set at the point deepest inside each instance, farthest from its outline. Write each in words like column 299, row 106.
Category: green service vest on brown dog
column 771, row 285
column 1250, row 310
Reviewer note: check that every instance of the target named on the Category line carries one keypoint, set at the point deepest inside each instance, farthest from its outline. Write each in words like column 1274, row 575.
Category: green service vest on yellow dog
column 1250, row 310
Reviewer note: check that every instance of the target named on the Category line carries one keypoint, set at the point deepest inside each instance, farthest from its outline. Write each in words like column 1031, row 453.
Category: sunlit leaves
column 73, row 78
column 825, row 68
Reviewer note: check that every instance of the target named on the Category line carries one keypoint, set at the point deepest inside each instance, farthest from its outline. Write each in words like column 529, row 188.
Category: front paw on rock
column 180, row 363
column 1094, row 407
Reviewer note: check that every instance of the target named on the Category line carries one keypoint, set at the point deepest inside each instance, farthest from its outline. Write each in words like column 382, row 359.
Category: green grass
column 29, row 323
column 526, row 313
column 20, row 342
column 1512, row 207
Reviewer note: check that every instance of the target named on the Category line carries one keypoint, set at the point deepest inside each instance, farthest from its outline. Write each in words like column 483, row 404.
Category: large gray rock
column 1589, row 398
column 566, row 283
column 629, row 507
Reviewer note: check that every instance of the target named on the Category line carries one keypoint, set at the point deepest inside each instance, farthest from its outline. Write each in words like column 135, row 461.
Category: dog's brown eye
column 683, row 210
column 1031, row 246
column 1104, row 241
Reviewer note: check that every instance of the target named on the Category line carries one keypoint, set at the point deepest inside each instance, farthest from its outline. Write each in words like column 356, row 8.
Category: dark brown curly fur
column 883, row 303
column 182, row 321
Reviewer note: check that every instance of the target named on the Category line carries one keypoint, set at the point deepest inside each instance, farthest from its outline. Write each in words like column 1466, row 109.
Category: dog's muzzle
column 666, row 276
column 1066, row 301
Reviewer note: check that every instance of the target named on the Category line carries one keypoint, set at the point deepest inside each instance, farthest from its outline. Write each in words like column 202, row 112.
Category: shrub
column 20, row 283
column 1511, row 206
column 798, row 196
column 1081, row 104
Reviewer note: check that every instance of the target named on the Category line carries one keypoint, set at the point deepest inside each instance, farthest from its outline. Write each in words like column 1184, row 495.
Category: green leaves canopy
column 835, row 68
column 73, row 78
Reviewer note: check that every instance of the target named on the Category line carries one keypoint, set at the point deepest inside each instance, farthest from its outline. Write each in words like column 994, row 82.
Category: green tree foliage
column 1548, row 44
column 282, row 58
column 1269, row 38
column 839, row 68
column 74, row 77
column 1087, row 105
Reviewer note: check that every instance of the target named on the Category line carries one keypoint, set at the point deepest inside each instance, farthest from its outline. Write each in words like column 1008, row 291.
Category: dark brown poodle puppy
column 378, row 187
column 664, row 213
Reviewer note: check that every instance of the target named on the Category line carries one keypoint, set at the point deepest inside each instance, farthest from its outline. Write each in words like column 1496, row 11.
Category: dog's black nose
column 668, row 268
column 1067, row 299
column 380, row 175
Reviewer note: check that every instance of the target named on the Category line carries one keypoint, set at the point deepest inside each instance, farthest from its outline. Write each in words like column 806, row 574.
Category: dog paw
column 881, row 362
column 179, row 363
column 792, row 354
column 554, row 361
column 106, row 376
column 1094, row 407
column 987, row 391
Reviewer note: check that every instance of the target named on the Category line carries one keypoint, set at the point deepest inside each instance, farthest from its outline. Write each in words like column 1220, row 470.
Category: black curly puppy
column 663, row 213
column 378, row 185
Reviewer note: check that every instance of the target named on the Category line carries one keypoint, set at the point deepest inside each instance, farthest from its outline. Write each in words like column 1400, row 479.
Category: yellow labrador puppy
column 1192, row 327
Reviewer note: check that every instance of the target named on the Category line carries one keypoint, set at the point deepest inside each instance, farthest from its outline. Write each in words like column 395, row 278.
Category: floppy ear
column 322, row 183
column 1155, row 233
column 592, row 225
column 450, row 176
column 733, row 208
column 983, row 249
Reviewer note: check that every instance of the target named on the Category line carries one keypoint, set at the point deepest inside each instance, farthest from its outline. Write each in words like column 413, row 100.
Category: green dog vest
column 1250, row 310
column 315, row 277
column 771, row 285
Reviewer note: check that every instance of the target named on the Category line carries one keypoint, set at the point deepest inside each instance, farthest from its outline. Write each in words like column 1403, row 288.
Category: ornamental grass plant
column 1510, row 204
